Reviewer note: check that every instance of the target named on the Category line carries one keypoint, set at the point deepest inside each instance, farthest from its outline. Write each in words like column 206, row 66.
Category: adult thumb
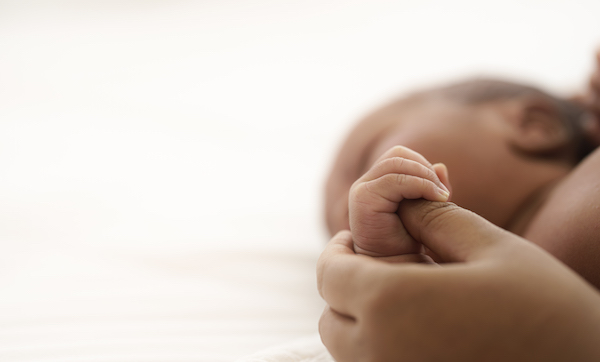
column 451, row 232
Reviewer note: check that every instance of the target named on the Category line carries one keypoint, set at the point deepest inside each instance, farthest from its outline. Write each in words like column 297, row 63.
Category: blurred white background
column 146, row 145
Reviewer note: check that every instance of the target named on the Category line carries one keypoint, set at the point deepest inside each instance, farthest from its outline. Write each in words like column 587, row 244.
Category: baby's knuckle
column 431, row 174
column 356, row 187
column 361, row 192
column 355, row 191
column 400, row 179
column 366, row 189
column 389, row 165
column 398, row 149
column 398, row 162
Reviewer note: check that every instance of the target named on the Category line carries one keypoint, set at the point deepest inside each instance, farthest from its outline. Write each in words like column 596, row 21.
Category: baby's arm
column 374, row 199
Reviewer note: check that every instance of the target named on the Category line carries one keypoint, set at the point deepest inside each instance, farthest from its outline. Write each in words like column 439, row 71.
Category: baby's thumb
column 451, row 232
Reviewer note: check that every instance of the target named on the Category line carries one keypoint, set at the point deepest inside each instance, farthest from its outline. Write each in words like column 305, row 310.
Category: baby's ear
column 536, row 127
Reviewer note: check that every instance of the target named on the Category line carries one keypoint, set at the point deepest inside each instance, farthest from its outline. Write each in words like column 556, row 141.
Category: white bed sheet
column 104, row 304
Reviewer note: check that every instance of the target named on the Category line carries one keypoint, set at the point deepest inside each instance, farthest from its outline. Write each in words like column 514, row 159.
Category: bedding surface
column 306, row 349
column 89, row 304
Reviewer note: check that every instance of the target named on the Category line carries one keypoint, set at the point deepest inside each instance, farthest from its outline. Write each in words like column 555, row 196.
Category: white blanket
column 307, row 349
column 101, row 304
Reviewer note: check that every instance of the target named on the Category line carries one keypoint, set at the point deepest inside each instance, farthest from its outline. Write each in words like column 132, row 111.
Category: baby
column 513, row 154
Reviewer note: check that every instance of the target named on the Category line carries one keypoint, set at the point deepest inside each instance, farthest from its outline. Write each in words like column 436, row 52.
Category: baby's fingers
column 401, row 165
column 404, row 152
column 386, row 192
column 442, row 173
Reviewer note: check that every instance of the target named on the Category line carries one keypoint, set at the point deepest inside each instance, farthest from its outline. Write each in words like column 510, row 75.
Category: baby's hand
column 399, row 174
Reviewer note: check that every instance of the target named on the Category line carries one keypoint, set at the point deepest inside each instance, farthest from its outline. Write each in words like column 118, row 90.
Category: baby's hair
column 484, row 90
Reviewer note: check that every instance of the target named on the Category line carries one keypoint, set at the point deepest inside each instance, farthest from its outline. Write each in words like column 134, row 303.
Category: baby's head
column 504, row 145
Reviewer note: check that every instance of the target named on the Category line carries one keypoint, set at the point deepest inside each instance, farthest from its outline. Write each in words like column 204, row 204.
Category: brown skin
column 591, row 100
column 475, row 142
column 399, row 174
column 547, row 202
column 568, row 223
column 495, row 297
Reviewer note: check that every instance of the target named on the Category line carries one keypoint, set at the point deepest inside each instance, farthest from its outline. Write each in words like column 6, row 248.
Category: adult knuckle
column 376, row 303
column 322, row 322
column 379, row 298
column 323, row 278
column 436, row 214
column 321, row 269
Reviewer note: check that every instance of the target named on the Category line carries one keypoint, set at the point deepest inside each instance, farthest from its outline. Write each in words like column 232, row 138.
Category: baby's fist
column 399, row 174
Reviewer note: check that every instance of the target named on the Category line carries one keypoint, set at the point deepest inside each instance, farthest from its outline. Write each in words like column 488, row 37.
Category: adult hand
column 498, row 298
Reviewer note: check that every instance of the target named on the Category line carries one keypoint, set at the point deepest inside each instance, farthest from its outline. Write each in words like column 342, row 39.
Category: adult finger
column 337, row 334
column 451, row 232
column 343, row 277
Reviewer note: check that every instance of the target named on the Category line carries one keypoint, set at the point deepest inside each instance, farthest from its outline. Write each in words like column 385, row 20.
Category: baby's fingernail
column 443, row 195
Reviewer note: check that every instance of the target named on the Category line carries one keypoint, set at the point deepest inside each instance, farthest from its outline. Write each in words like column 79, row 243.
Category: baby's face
column 487, row 176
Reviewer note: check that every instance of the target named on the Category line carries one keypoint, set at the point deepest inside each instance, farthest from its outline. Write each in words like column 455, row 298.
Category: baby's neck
column 525, row 214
